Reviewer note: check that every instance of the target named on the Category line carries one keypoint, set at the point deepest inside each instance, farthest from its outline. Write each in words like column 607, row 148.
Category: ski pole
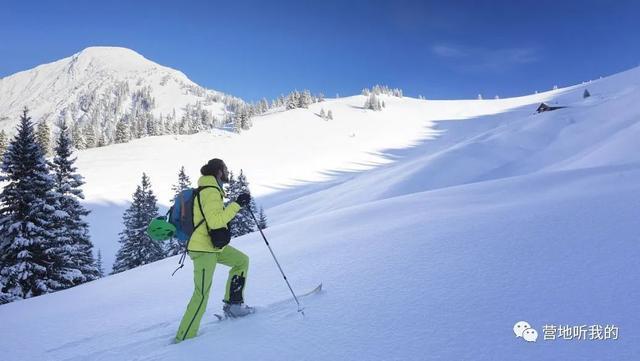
column 300, row 309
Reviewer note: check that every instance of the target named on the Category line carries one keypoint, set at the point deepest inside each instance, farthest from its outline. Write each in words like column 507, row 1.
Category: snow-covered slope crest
column 97, row 85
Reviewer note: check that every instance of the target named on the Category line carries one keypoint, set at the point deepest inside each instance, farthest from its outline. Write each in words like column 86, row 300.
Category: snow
column 49, row 89
column 434, row 229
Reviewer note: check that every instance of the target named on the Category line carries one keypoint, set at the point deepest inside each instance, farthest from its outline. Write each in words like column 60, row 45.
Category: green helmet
column 160, row 230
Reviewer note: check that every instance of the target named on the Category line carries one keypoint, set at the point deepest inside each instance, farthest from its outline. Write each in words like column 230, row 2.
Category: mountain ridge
column 98, row 87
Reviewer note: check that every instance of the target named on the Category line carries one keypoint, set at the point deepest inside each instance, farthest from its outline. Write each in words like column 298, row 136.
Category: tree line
column 44, row 238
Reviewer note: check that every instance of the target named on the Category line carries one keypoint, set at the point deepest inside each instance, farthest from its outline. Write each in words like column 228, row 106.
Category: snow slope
column 287, row 154
column 434, row 229
column 433, row 275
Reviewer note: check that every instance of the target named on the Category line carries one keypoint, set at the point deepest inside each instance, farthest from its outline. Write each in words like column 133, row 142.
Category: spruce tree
column 102, row 141
column 373, row 102
column 90, row 139
column 122, row 132
column 43, row 136
column 183, row 183
column 330, row 115
column 78, row 139
column 74, row 245
column 230, row 189
column 137, row 248
column 99, row 264
column 242, row 223
column 304, row 99
column 293, row 100
column 28, row 214
column 262, row 219
column 3, row 142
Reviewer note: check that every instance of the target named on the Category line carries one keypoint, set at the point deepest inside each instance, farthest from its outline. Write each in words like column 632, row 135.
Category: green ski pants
column 204, row 263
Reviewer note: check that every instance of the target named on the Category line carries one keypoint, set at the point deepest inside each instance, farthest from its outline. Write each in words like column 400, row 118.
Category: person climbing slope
column 208, row 246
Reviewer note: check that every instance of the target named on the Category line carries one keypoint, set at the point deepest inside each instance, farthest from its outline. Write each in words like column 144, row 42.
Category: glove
column 243, row 199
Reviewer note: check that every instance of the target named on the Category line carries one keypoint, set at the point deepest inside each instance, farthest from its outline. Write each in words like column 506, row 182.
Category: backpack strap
column 204, row 220
column 204, row 217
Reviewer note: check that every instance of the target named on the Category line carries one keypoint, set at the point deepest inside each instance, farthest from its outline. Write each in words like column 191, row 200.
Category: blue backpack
column 181, row 216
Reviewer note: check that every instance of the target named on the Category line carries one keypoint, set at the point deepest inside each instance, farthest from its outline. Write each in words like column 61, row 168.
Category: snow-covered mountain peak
column 98, row 87
column 113, row 58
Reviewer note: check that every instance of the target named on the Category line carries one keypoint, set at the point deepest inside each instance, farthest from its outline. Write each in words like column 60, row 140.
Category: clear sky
column 254, row 49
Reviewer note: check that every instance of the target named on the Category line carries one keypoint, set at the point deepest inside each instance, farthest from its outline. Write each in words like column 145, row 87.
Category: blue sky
column 439, row 49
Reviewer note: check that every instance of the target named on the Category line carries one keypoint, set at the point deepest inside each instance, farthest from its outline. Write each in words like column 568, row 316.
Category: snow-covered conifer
column 136, row 247
column 100, row 264
column 262, row 219
column 3, row 142
column 122, row 132
column 43, row 135
column 27, row 220
column 73, row 243
column 373, row 102
column 242, row 223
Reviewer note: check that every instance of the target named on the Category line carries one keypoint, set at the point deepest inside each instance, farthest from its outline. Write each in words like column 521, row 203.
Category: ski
column 318, row 289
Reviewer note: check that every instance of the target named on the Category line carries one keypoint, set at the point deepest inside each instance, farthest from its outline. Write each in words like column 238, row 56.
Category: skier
column 205, row 255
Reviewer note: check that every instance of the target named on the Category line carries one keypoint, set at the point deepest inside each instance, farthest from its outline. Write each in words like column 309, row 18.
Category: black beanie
column 212, row 167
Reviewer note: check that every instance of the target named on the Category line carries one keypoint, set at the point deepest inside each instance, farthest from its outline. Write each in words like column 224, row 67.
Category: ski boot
column 235, row 310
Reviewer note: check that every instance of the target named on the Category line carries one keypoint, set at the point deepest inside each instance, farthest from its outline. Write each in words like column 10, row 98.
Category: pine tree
column 137, row 248
column 263, row 106
column 231, row 188
column 586, row 94
column 373, row 102
column 27, row 220
column 43, row 135
column 293, row 100
column 304, row 99
column 102, row 141
column 90, row 139
column 237, row 122
column 74, row 246
column 330, row 115
column 99, row 264
column 122, row 132
column 322, row 113
column 183, row 183
column 173, row 247
column 262, row 219
column 3, row 142
column 78, row 139
column 242, row 223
